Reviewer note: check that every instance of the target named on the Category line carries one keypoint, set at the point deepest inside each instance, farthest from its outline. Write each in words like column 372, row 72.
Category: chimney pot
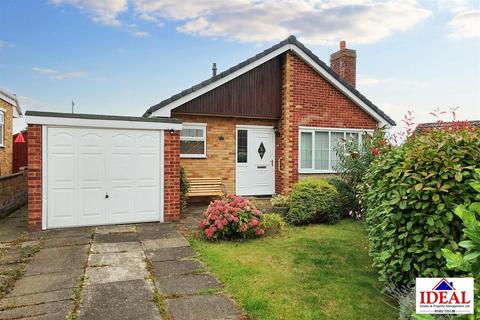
column 214, row 69
column 343, row 44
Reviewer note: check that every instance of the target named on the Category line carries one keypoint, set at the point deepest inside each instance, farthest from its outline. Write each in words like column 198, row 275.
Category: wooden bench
column 205, row 187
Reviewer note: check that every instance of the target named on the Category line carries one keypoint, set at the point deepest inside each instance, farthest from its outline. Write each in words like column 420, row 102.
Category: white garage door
column 102, row 176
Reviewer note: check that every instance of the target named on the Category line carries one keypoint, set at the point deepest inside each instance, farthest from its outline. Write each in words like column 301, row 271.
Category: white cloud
column 465, row 24
column 102, row 11
column 57, row 75
column 314, row 21
column 4, row 45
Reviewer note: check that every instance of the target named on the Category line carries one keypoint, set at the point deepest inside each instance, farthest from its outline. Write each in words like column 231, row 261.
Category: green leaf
column 475, row 185
column 467, row 244
column 458, row 176
column 436, row 198
column 430, row 221
column 418, row 187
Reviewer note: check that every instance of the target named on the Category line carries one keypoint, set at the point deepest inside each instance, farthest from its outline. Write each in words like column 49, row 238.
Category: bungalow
column 259, row 127
column 265, row 123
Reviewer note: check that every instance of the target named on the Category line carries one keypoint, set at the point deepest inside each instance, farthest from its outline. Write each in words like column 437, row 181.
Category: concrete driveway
column 144, row 271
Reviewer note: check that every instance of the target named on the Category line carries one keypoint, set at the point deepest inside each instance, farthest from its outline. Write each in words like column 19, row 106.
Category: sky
column 123, row 56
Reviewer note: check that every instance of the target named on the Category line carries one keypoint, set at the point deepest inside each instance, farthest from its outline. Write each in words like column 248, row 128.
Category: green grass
column 314, row 272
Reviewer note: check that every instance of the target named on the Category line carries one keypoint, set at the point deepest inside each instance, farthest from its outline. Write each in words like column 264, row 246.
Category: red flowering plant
column 231, row 217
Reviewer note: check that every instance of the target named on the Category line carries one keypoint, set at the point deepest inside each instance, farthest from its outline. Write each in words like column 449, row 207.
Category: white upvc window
column 2, row 128
column 193, row 140
column 318, row 147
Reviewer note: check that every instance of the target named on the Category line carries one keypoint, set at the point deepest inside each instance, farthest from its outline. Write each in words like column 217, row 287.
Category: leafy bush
column 410, row 193
column 231, row 217
column 279, row 200
column 273, row 223
column 313, row 201
column 347, row 201
column 467, row 263
column 184, row 187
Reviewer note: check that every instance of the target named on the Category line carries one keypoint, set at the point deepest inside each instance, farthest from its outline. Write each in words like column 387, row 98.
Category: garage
column 99, row 170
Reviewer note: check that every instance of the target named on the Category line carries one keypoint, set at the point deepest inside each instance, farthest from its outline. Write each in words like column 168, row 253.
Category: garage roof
column 98, row 120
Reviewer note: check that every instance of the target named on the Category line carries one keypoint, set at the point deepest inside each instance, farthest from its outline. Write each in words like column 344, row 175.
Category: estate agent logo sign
column 444, row 295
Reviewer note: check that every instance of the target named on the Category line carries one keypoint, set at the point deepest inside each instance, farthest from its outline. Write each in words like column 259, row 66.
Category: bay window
column 318, row 148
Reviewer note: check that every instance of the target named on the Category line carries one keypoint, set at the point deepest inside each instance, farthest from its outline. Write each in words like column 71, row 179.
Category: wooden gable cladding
column 255, row 94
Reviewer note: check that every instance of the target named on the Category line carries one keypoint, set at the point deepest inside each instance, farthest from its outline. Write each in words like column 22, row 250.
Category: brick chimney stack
column 344, row 63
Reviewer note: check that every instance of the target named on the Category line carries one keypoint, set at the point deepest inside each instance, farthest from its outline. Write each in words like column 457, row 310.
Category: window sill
column 192, row 156
column 303, row 171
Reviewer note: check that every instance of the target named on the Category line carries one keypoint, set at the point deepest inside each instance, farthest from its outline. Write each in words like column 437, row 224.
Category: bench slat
column 205, row 187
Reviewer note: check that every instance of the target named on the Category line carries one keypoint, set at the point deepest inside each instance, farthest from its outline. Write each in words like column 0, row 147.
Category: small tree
column 354, row 161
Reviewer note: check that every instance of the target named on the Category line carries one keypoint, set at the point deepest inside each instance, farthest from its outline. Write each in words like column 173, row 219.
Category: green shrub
column 313, row 201
column 347, row 201
column 273, row 224
column 279, row 200
column 410, row 193
column 184, row 187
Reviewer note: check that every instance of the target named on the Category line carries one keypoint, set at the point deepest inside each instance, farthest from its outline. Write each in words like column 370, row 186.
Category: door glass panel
column 261, row 150
column 321, row 150
column 306, row 150
column 242, row 145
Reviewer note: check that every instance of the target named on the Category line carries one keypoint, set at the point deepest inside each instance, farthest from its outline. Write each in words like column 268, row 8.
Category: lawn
column 314, row 272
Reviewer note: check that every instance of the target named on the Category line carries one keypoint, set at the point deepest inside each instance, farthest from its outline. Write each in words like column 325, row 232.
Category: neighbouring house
column 421, row 127
column 13, row 185
column 265, row 123
column 259, row 127
column 9, row 109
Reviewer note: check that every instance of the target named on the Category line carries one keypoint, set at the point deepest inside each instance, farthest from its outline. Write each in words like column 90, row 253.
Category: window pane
column 352, row 136
column 242, row 144
column 306, row 150
column 321, row 150
column 335, row 143
column 192, row 133
column 192, row 147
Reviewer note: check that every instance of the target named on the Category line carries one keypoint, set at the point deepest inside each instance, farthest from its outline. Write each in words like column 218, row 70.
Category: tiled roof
column 289, row 40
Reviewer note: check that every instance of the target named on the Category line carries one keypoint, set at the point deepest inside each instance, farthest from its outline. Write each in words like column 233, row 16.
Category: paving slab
column 115, row 273
column 170, row 254
column 117, row 301
column 36, row 298
column 116, row 237
column 11, row 257
column 116, row 259
column 150, row 235
column 167, row 268
column 203, row 307
column 69, row 241
column 64, row 307
column 58, row 259
column 165, row 243
column 115, row 229
column 187, row 284
column 70, row 232
column 116, row 247
column 46, row 282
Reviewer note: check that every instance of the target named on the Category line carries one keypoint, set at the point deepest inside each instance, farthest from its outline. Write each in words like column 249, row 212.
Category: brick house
column 277, row 117
column 9, row 109
column 259, row 127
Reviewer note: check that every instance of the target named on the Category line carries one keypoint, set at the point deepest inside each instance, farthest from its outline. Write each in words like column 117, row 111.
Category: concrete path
column 145, row 271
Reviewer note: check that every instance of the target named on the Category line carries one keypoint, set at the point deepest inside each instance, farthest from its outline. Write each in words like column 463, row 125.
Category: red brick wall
column 172, row 177
column 34, row 177
column 310, row 100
